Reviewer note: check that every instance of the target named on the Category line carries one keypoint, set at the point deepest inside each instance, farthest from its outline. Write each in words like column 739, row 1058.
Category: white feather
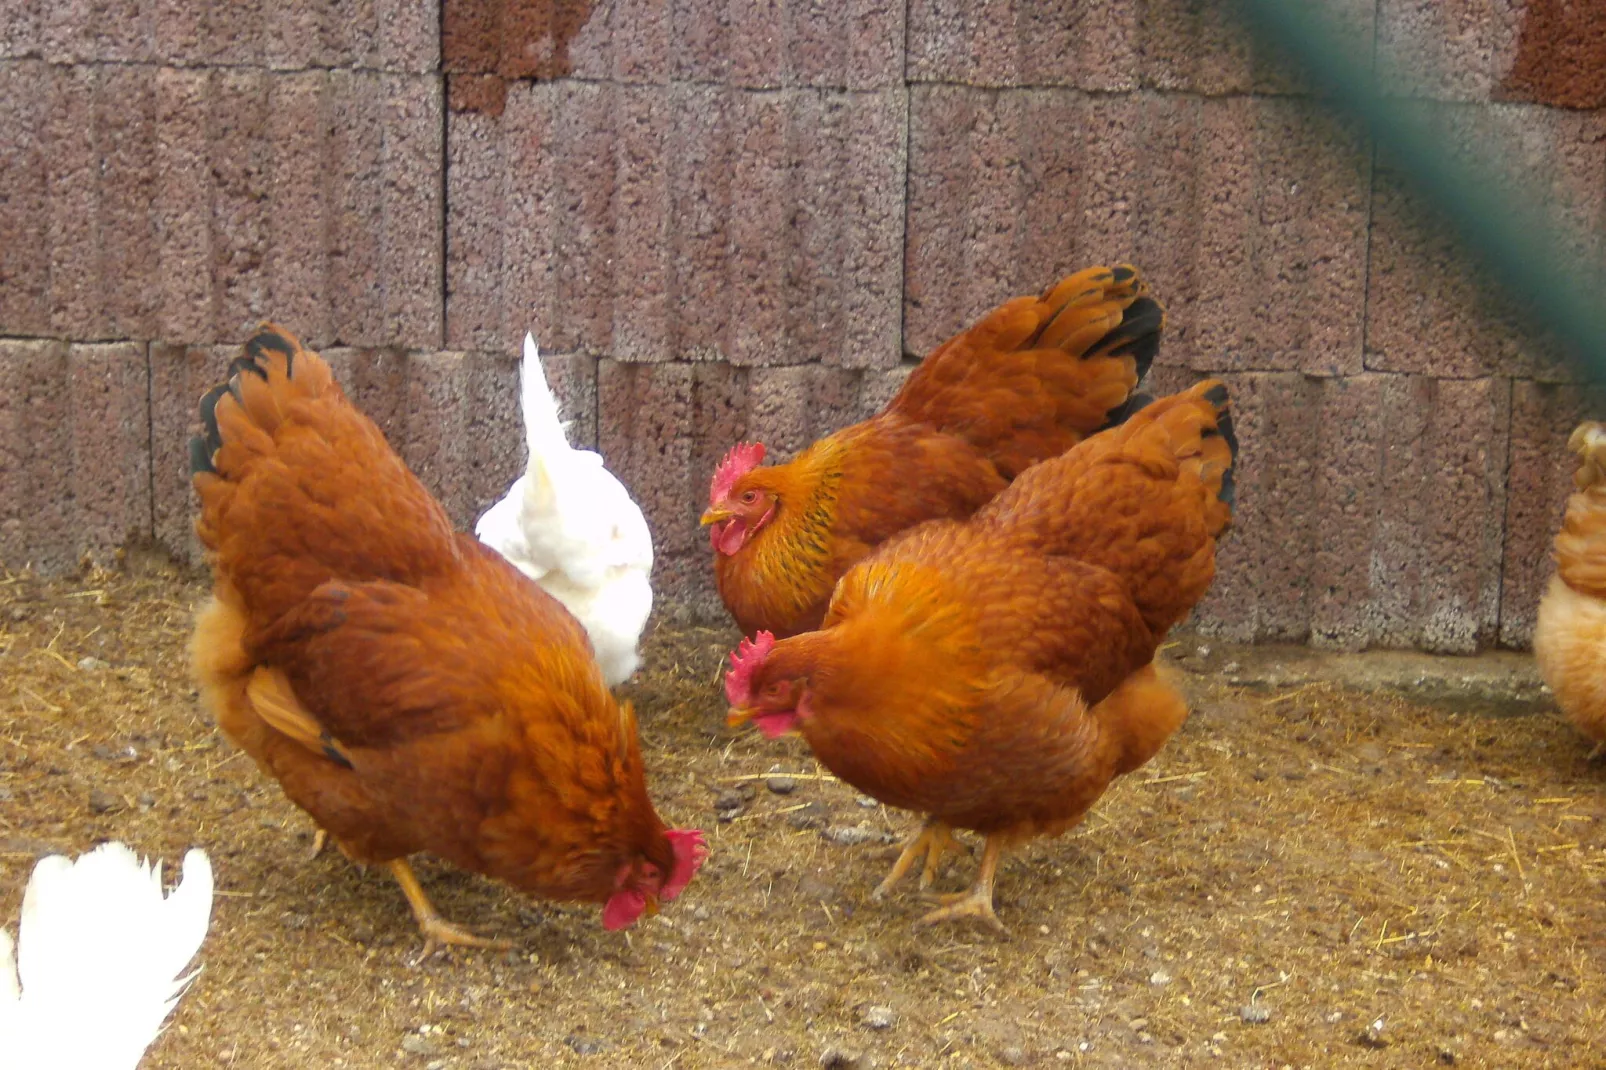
column 97, row 960
column 570, row 525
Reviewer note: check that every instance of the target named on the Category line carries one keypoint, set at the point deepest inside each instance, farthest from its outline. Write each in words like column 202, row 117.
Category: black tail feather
column 200, row 456
column 1119, row 415
column 1138, row 336
column 1224, row 428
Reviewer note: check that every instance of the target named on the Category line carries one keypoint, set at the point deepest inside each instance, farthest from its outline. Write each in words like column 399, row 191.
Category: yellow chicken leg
column 978, row 902
column 319, row 838
column 436, row 929
column 933, row 839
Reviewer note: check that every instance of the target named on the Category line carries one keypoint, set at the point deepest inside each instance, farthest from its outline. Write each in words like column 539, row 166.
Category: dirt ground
column 1308, row 875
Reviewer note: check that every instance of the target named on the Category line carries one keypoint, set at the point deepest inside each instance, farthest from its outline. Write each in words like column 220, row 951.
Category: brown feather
column 1028, row 381
column 405, row 685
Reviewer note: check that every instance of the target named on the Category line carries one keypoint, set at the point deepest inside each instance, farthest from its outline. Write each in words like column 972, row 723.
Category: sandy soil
column 1306, row 876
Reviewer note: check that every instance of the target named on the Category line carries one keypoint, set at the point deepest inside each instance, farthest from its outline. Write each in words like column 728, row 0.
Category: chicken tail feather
column 99, row 943
column 1037, row 375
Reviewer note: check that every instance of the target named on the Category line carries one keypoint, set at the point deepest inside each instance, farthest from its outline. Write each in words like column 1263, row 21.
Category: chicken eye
column 749, row 497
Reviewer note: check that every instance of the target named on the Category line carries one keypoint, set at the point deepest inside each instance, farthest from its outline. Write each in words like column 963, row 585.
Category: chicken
column 406, row 686
column 570, row 526
column 98, row 946
column 995, row 674
column 1033, row 378
column 1570, row 635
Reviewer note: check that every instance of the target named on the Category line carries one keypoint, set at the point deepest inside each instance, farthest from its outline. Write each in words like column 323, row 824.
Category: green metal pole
column 1517, row 244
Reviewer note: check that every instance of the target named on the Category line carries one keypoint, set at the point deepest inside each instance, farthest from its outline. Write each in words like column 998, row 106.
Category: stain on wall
column 1561, row 55
column 484, row 43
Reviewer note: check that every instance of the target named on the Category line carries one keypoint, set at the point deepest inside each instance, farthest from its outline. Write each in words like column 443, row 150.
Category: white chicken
column 570, row 525
column 97, row 959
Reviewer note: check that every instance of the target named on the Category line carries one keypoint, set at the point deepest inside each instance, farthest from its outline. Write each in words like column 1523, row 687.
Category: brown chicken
column 1033, row 378
column 1570, row 636
column 406, row 686
column 995, row 674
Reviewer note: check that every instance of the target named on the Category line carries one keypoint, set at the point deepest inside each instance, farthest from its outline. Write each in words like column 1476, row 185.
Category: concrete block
column 182, row 207
column 1539, row 480
column 239, row 103
column 19, row 30
column 476, row 186
column 688, row 223
column 73, row 169
column 74, row 452
column 1433, row 309
column 1263, row 568
column 1439, row 539
column 789, row 408
column 25, row 98
column 662, row 429
column 129, row 267
column 1132, row 44
column 298, row 117
column 1448, row 49
column 179, row 375
column 461, row 436
column 1236, row 209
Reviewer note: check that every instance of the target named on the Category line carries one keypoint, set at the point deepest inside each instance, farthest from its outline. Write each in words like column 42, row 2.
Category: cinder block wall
column 729, row 220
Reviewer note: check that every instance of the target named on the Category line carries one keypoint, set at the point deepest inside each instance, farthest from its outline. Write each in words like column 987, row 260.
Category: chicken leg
column 933, row 839
column 436, row 929
column 978, row 902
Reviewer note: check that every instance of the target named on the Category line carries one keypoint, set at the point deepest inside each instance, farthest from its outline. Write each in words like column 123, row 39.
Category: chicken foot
column 436, row 929
column 977, row 903
column 933, row 840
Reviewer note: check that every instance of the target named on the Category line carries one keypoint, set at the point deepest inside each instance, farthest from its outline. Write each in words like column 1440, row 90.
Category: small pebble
column 1372, row 1036
column 1012, row 1057
column 727, row 804
column 866, row 802
column 878, row 1017
column 103, row 802
column 1255, row 1013
column 1231, row 666
column 837, row 1059
column 1159, row 977
column 435, row 1064
column 853, row 835
column 585, row 1045
column 812, row 816
column 93, row 664
column 781, row 785
column 413, row 1044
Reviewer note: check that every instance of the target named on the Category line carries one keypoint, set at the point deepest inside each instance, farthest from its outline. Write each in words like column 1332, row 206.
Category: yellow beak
column 737, row 716
column 652, row 905
column 714, row 515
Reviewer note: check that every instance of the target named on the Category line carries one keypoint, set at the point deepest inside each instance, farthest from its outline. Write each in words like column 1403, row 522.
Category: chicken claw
column 436, row 929
column 933, row 839
column 978, row 902
column 319, row 838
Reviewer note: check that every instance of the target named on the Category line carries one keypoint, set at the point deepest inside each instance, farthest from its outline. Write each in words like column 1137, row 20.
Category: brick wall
column 725, row 219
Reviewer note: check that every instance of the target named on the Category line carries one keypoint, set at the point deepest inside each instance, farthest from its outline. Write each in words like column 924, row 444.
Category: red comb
column 745, row 660
column 742, row 458
column 690, row 850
